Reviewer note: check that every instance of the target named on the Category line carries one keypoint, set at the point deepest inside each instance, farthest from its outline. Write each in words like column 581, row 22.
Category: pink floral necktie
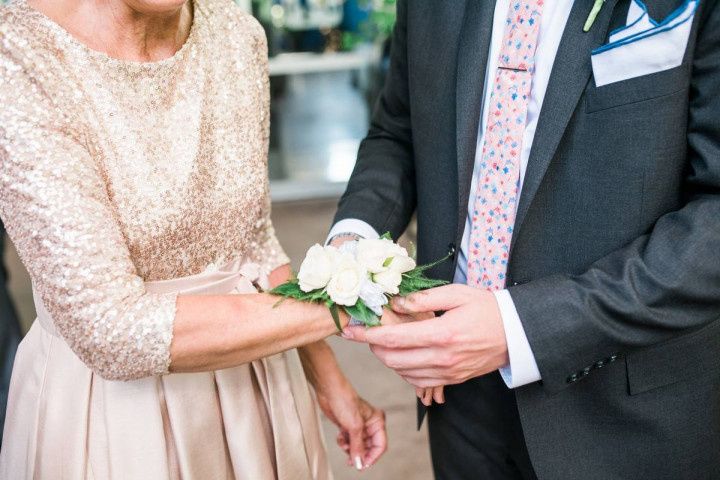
column 496, row 193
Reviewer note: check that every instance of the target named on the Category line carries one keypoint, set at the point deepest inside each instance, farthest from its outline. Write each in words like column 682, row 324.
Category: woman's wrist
column 322, row 369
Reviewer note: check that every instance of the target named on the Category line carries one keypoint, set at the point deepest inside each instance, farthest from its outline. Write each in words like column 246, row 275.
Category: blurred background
column 328, row 60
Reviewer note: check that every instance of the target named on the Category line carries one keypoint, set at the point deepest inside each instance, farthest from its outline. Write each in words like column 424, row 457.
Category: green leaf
column 417, row 284
column 386, row 236
column 279, row 302
column 292, row 290
column 423, row 268
column 335, row 314
column 361, row 312
column 288, row 289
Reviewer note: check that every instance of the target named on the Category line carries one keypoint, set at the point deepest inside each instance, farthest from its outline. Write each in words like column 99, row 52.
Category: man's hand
column 429, row 394
column 467, row 341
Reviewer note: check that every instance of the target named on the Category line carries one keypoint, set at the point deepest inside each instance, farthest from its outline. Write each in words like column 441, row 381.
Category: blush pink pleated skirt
column 253, row 422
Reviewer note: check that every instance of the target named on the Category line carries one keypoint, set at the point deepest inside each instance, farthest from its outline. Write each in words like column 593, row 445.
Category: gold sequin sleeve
column 269, row 254
column 57, row 212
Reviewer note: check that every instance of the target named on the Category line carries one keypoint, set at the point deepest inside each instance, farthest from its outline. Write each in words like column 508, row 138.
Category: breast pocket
column 637, row 89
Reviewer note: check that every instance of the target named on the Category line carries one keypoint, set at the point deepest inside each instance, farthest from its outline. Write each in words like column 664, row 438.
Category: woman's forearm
column 321, row 367
column 319, row 362
column 216, row 332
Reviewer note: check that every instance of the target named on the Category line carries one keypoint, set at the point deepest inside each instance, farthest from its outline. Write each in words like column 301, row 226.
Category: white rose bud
column 389, row 280
column 317, row 267
column 374, row 254
column 402, row 264
column 346, row 282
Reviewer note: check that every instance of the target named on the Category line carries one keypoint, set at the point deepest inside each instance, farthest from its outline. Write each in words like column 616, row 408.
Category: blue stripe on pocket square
column 638, row 51
column 679, row 16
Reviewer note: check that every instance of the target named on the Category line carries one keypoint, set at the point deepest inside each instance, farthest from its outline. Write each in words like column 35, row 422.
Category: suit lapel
column 569, row 77
column 471, row 65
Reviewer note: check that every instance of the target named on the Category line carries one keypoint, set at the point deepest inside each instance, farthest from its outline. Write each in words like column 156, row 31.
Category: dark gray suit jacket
column 615, row 262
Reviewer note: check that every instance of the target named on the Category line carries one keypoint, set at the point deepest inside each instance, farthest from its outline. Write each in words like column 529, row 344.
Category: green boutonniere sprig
column 597, row 6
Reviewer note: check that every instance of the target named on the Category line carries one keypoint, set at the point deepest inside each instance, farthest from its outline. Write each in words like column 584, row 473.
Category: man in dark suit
column 9, row 334
column 581, row 339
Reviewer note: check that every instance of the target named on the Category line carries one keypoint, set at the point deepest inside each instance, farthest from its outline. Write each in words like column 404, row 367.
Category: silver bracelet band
column 349, row 235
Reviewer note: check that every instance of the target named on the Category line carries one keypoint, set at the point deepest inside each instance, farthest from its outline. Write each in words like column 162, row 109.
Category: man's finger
column 390, row 317
column 439, row 395
column 418, row 334
column 422, row 382
column 446, row 297
column 427, row 396
column 404, row 360
column 356, row 334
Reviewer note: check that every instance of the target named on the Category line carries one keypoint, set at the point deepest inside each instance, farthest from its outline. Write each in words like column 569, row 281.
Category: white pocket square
column 644, row 46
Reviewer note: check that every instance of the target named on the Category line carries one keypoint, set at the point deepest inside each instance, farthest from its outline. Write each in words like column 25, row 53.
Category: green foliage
column 415, row 280
column 361, row 312
column 335, row 314
column 376, row 28
column 292, row 290
column 412, row 284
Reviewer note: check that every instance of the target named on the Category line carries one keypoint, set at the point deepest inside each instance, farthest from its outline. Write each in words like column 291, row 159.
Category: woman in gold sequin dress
column 133, row 182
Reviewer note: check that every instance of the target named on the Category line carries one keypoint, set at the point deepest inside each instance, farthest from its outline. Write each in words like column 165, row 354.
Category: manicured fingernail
column 358, row 463
column 398, row 302
column 347, row 334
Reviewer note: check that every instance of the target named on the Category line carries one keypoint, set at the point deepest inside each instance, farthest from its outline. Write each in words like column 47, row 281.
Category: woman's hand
column 426, row 395
column 362, row 427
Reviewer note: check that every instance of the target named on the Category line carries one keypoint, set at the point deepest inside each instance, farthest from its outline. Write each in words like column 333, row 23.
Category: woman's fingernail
column 347, row 334
column 358, row 463
column 398, row 303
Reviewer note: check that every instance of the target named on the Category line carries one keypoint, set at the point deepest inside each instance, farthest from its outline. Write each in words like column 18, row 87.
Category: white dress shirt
column 522, row 368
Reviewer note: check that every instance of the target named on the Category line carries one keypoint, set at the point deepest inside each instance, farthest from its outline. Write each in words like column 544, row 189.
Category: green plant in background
column 378, row 26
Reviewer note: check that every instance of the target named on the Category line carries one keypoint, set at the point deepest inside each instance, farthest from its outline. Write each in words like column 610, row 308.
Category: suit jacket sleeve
column 381, row 190
column 665, row 283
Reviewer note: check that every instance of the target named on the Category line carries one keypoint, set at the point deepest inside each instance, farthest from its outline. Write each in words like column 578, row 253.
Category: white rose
column 373, row 296
column 344, row 286
column 317, row 267
column 389, row 280
column 373, row 254
column 402, row 264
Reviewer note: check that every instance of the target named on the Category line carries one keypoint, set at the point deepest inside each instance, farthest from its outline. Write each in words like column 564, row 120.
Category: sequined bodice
column 116, row 172
column 181, row 144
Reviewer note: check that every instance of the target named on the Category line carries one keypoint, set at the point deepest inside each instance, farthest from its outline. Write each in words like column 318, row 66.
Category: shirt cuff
column 523, row 368
column 352, row 225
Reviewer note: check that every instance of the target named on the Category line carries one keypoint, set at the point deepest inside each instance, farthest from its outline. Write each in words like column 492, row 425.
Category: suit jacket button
column 572, row 378
column 600, row 364
column 613, row 358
